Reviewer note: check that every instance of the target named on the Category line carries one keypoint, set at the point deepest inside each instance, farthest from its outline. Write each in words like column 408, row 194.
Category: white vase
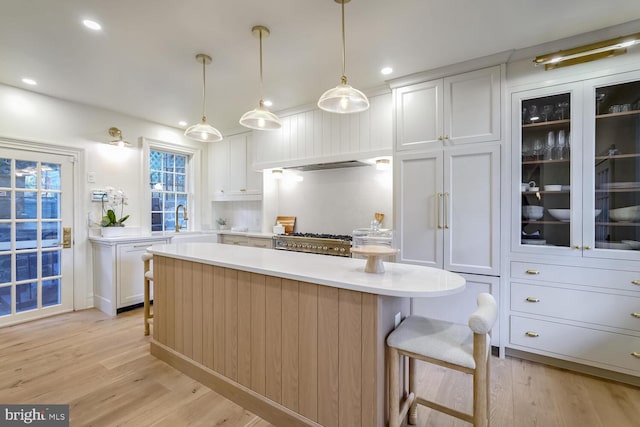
column 111, row 231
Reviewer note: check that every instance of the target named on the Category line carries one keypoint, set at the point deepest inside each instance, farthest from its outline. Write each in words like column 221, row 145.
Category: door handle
column 66, row 237
column 439, row 208
column 446, row 210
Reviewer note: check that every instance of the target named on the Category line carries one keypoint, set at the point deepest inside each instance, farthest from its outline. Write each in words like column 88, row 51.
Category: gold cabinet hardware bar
column 635, row 314
column 532, row 334
column 446, row 210
column 532, row 272
column 577, row 246
column 533, row 299
column 439, row 208
column 635, row 282
column 636, row 354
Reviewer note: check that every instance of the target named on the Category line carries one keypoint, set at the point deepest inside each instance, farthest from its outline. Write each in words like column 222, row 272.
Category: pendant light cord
column 261, row 90
column 204, row 90
column 344, row 60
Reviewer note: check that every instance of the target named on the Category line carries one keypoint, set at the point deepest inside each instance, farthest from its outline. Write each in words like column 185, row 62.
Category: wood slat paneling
column 187, row 314
column 308, row 350
column 179, row 306
column 219, row 315
column 328, row 372
column 171, row 302
column 197, row 319
column 350, row 358
column 231, row 323
column 290, row 344
column 258, row 333
column 244, row 328
column 369, row 359
column 208, row 309
column 273, row 349
column 158, row 264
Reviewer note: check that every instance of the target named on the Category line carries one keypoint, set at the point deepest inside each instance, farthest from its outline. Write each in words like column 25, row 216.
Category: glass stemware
column 562, row 109
column 547, row 113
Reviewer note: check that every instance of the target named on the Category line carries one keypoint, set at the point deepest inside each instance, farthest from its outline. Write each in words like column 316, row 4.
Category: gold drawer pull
column 532, row 334
column 636, row 315
column 635, row 282
column 537, row 272
column 533, row 299
column 636, row 354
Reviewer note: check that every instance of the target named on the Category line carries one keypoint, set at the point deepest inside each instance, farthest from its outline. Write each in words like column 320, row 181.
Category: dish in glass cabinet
column 538, row 242
column 633, row 243
column 612, row 245
column 627, row 214
column 619, row 185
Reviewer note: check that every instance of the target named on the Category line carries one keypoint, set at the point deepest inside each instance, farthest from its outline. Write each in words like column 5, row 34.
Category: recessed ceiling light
column 182, row 123
column 386, row 70
column 29, row 81
column 268, row 103
column 92, row 25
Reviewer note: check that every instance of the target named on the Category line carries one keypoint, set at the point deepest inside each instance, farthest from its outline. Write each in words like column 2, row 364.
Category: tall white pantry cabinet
column 447, row 149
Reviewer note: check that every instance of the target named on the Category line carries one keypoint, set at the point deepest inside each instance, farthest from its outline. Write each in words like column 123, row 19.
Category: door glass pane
column 50, row 176
column 5, row 268
column 5, row 204
column 50, row 292
column 546, row 170
column 26, row 235
column 26, row 205
column 26, row 174
column 5, row 236
column 26, row 266
column 50, row 263
column 5, row 173
column 51, row 234
column 617, row 166
column 50, row 205
column 5, row 300
column 26, row 296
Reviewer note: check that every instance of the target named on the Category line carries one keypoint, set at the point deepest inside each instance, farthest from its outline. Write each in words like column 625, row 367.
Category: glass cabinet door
column 546, row 167
column 616, row 166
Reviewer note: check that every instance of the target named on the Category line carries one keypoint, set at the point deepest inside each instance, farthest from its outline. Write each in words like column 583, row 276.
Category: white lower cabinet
column 118, row 272
column 457, row 308
column 585, row 315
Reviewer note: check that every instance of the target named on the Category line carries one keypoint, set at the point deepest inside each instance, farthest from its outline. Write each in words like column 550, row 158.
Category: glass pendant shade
column 260, row 119
column 203, row 132
column 343, row 99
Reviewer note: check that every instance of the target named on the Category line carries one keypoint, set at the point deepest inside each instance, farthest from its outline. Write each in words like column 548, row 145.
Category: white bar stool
column 148, row 278
column 465, row 348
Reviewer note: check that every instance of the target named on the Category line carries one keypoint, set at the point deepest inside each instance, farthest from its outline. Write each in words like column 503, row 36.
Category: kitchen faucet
column 184, row 216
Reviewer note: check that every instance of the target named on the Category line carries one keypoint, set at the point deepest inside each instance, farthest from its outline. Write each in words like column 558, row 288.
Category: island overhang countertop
column 398, row 280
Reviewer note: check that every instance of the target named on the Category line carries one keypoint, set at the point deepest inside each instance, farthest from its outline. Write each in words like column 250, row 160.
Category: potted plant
column 112, row 201
column 222, row 223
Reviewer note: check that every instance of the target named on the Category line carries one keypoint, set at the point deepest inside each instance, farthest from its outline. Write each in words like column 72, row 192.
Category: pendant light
column 343, row 98
column 260, row 118
column 203, row 131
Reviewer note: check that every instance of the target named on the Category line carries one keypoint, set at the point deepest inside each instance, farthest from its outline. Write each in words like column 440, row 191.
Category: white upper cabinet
column 233, row 175
column 317, row 136
column 460, row 109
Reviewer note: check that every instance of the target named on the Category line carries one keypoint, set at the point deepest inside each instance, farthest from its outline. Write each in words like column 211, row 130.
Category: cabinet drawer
column 235, row 240
column 584, row 345
column 618, row 311
column 258, row 242
column 615, row 279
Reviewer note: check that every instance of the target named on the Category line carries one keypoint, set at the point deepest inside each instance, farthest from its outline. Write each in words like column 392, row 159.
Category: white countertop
column 400, row 280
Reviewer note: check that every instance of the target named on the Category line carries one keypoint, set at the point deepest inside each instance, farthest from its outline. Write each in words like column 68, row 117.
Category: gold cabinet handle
column 635, row 282
column 587, row 247
column 635, row 314
column 577, row 246
column 440, row 138
column 532, row 299
column 636, row 354
column 532, row 334
column 243, row 189
column 439, row 208
column 446, row 210
column 446, row 137
column 534, row 272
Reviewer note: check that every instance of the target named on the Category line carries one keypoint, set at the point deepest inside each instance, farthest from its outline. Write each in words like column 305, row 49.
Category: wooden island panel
column 294, row 353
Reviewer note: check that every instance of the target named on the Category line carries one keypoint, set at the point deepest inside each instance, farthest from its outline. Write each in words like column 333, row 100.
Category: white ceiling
column 143, row 61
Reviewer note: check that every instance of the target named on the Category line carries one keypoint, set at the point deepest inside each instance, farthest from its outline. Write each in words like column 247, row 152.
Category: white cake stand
column 374, row 254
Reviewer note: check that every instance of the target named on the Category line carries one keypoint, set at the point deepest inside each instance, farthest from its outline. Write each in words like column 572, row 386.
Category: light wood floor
column 101, row 367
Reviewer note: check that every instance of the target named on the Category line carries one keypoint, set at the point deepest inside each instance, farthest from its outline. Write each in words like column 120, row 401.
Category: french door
column 36, row 255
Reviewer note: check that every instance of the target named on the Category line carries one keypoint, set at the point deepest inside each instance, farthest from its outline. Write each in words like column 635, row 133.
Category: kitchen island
column 296, row 338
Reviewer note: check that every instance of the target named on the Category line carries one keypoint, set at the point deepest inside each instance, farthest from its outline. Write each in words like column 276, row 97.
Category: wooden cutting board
column 288, row 222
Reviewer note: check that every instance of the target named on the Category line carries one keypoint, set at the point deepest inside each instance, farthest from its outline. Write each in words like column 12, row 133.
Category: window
column 169, row 188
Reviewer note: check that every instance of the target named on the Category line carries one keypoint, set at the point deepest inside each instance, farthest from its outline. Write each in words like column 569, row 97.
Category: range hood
column 329, row 165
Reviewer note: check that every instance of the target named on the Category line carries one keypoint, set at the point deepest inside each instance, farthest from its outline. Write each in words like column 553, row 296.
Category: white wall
column 31, row 117
column 333, row 201
column 247, row 214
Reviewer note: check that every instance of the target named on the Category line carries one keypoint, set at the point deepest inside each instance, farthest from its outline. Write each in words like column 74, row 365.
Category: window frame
column 193, row 174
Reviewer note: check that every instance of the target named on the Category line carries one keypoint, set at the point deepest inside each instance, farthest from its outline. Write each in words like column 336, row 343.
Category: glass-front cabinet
column 577, row 168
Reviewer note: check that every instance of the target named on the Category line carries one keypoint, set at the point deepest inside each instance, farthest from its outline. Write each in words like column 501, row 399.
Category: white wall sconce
column 118, row 140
